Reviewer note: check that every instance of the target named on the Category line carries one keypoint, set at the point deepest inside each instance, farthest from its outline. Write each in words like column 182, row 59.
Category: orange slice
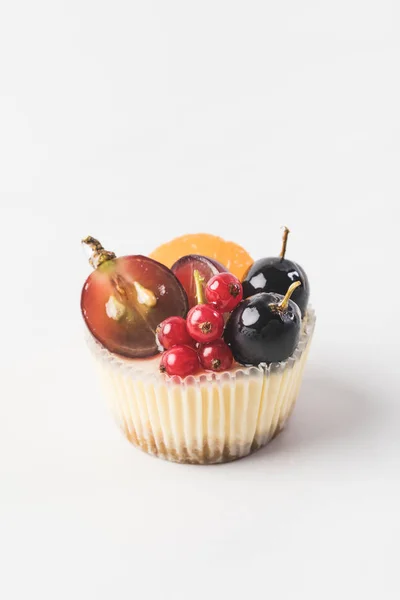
column 231, row 255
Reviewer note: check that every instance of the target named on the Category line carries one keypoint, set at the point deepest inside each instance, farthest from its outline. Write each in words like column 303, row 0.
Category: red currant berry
column 180, row 360
column 216, row 356
column 173, row 332
column 204, row 323
column 224, row 291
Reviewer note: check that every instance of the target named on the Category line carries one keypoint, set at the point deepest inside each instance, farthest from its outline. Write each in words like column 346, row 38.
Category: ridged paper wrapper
column 204, row 419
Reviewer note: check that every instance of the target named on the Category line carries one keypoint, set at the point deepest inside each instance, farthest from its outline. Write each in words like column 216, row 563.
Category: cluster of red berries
column 197, row 341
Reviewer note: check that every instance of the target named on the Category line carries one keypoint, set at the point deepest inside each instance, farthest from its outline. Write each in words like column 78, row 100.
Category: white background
column 138, row 121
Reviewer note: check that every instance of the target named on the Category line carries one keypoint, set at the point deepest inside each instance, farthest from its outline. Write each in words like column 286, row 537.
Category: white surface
column 137, row 121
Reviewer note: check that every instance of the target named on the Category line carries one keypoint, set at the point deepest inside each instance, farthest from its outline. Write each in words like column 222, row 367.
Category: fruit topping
column 224, row 292
column 184, row 269
column 204, row 323
column 173, row 332
column 229, row 254
column 276, row 274
column 125, row 298
column 216, row 356
column 264, row 328
column 180, row 360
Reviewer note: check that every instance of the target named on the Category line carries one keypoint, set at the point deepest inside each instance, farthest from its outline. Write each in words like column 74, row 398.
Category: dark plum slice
column 184, row 270
column 125, row 299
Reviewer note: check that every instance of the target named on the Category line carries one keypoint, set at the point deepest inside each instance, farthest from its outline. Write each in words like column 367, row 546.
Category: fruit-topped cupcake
column 201, row 350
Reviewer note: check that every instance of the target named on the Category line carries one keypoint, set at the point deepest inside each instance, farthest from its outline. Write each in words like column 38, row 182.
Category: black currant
column 264, row 328
column 276, row 274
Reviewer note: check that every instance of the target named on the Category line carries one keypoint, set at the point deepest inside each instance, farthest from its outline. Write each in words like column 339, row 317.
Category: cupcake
column 201, row 356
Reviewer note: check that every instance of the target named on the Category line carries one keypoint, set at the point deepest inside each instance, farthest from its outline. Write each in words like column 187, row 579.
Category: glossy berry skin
column 216, row 356
column 276, row 275
column 173, row 332
column 180, row 360
column 258, row 331
column 204, row 323
column 224, row 291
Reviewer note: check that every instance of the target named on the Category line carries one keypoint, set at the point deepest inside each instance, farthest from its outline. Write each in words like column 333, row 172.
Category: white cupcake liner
column 203, row 419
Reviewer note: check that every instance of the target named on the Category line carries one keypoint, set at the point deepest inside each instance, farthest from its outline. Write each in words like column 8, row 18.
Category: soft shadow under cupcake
column 327, row 410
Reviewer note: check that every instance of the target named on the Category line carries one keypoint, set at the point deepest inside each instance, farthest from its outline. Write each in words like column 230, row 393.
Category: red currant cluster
column 197, row 341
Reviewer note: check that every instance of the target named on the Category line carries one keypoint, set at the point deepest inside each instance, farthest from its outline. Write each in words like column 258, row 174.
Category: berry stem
column 198, row 280
column 99, row 254
column 283, row 304
column 286, row 232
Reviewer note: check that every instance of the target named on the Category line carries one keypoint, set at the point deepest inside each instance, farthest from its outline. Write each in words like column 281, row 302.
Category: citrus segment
column 231, row 255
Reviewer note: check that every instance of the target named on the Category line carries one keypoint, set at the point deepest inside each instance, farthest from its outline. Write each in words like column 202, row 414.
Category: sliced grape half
column 125, row 299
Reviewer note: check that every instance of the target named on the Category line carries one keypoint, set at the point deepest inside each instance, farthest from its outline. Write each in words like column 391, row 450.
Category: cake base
column 203, row 457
